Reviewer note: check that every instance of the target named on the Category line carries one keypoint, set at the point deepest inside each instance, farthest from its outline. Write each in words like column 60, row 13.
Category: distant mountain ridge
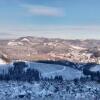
column 35, row 48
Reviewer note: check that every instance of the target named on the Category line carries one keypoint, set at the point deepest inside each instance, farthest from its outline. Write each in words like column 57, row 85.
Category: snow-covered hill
column 25, row 39
column 51, row 70
column 48, row 70
column 95, row 68
column 13, row 43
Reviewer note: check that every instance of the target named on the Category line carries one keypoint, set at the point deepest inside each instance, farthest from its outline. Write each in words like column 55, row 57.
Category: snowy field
column 95, row 69
column 49, row 70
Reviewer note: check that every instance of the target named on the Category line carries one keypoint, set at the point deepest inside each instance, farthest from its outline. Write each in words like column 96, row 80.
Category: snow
column 4, row 68
column 12, row 43
column 25, row 39
column 2, row 61
column 36, row 88
column 51, row 70
column 48, row 70
column 77, row 47
column 34, row 91
column 95, row 68
column 45, row 90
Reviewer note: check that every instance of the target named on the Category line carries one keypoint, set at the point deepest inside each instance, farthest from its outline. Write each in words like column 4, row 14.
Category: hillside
column 32, row 48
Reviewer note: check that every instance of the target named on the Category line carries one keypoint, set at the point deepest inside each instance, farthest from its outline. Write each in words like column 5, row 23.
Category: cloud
column 44, row 10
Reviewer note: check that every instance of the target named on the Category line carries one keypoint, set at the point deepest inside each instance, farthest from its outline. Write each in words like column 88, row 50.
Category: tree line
column 21, row 72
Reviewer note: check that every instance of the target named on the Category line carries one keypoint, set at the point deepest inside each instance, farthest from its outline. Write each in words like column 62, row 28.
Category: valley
column 47, row 69
column 33, row 49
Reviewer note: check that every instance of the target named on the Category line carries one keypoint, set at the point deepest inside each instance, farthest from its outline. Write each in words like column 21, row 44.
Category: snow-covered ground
column 25, row 39
column 49, row 70
column 49, row 91
column 13, row 43
column 2, row 61
column 78, row 47
column 95, row 68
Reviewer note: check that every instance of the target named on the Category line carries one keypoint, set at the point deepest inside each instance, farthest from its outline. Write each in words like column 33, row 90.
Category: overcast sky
column 68, row 19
